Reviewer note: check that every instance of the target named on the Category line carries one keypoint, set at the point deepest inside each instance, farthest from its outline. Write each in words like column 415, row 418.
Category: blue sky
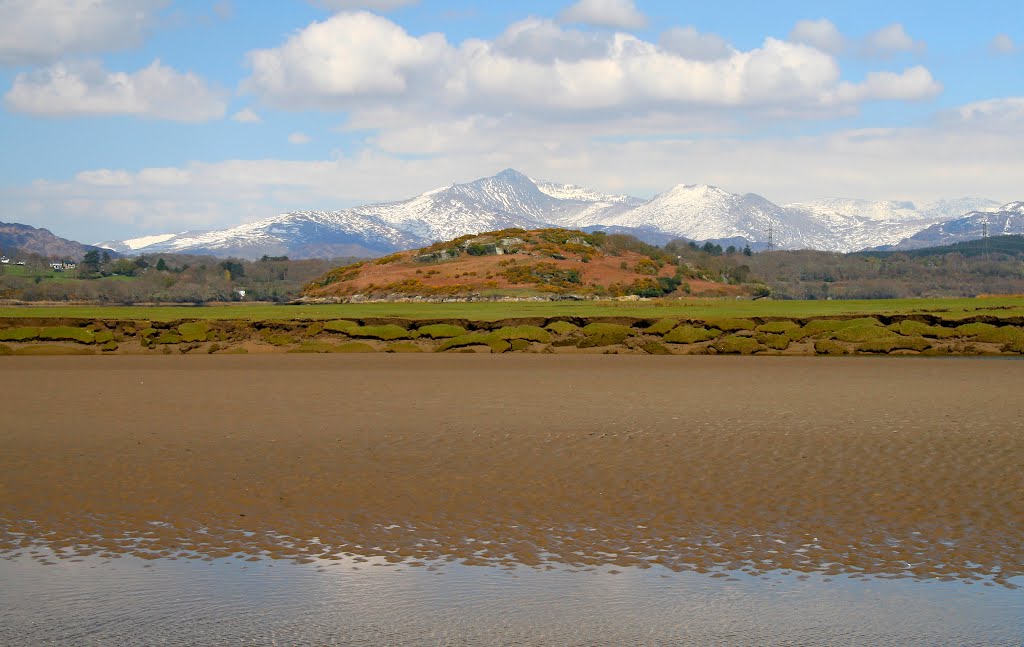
column 129, row 117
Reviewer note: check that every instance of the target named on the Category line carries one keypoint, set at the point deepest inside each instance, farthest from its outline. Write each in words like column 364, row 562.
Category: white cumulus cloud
column 891, row 39
column 690, row 44
column 996, row 114
column 821, row 33
column 42, row 31
column 541, row 39
column 299, row 138
column 824, row 35
column 86, row 88
column 617, row 14
column 912, row 84
column 247, row 116
column 352, row 61
column 346, row 56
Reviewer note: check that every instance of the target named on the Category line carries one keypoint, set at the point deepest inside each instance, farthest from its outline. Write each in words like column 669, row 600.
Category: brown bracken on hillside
column 553, row 263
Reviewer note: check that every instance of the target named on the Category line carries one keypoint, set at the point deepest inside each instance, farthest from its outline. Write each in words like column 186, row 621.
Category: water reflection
column 375, row 602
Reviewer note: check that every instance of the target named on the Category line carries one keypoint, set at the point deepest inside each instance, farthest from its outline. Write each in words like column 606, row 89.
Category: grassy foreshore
column 936, row 327
column 492, row 311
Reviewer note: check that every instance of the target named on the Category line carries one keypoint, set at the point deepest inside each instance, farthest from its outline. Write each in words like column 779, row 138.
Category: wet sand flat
column 889, row 467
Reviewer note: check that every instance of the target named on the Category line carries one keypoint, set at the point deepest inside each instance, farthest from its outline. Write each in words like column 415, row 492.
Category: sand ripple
column 880, row 467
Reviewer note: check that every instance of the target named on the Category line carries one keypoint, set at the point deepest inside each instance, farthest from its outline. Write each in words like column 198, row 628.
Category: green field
column 684, row 308
column 22, row 271
column 66, row 276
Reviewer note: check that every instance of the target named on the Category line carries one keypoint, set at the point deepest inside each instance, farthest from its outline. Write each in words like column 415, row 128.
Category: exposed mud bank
column 881, row 467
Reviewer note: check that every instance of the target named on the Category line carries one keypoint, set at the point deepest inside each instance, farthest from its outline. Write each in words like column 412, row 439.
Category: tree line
column 161, row 278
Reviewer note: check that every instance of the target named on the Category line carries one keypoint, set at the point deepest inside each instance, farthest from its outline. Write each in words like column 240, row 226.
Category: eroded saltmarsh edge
column 914, row 334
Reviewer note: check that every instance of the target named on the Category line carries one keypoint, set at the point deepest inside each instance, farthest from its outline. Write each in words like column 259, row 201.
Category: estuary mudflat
column 872, row 468
column 881, row 466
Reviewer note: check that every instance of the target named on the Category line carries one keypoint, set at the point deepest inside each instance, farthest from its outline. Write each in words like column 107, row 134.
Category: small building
column 57, row 267
column 4, row 260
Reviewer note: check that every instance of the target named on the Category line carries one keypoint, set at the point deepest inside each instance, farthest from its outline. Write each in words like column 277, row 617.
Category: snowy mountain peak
column 513, row 176
column 512, row 199
column 705, row 212
column 698, row 190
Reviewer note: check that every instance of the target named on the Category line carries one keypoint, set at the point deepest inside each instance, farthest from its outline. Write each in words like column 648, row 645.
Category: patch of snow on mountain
column 134, row 244
column 146, row 241
column 846, row 210
column 582, row 194
column 949, row 209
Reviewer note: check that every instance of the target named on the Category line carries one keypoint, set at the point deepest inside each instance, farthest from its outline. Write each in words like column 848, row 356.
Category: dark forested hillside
column 989, row 266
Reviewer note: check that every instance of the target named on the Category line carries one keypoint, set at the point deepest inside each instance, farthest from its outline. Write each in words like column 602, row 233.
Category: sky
column 121, row 118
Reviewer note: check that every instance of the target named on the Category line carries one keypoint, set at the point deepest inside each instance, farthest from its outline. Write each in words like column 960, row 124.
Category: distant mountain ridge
column 1006, row 220
column 25, row 239
column 511, row 199
column 508, row 199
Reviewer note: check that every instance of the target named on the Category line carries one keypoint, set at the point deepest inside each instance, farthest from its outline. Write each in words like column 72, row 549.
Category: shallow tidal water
column 127, row 600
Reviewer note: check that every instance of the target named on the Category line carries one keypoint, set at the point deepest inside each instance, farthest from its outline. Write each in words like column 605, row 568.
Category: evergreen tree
column 91, row 263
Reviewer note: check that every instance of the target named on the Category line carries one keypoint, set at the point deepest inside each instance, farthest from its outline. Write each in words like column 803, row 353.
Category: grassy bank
column 981, row 329
column 683, row 308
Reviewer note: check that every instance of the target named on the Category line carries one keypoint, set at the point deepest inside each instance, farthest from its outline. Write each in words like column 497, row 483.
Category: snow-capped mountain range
column 511, row 199
column 1006, row 220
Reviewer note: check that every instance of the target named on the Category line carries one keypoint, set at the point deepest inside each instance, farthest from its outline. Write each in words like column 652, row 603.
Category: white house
column 4, row 260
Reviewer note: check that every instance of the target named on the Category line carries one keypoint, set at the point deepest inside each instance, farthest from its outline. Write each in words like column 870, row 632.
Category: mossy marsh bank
column 894, row 334
column 687, row 308
column 886, row 467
